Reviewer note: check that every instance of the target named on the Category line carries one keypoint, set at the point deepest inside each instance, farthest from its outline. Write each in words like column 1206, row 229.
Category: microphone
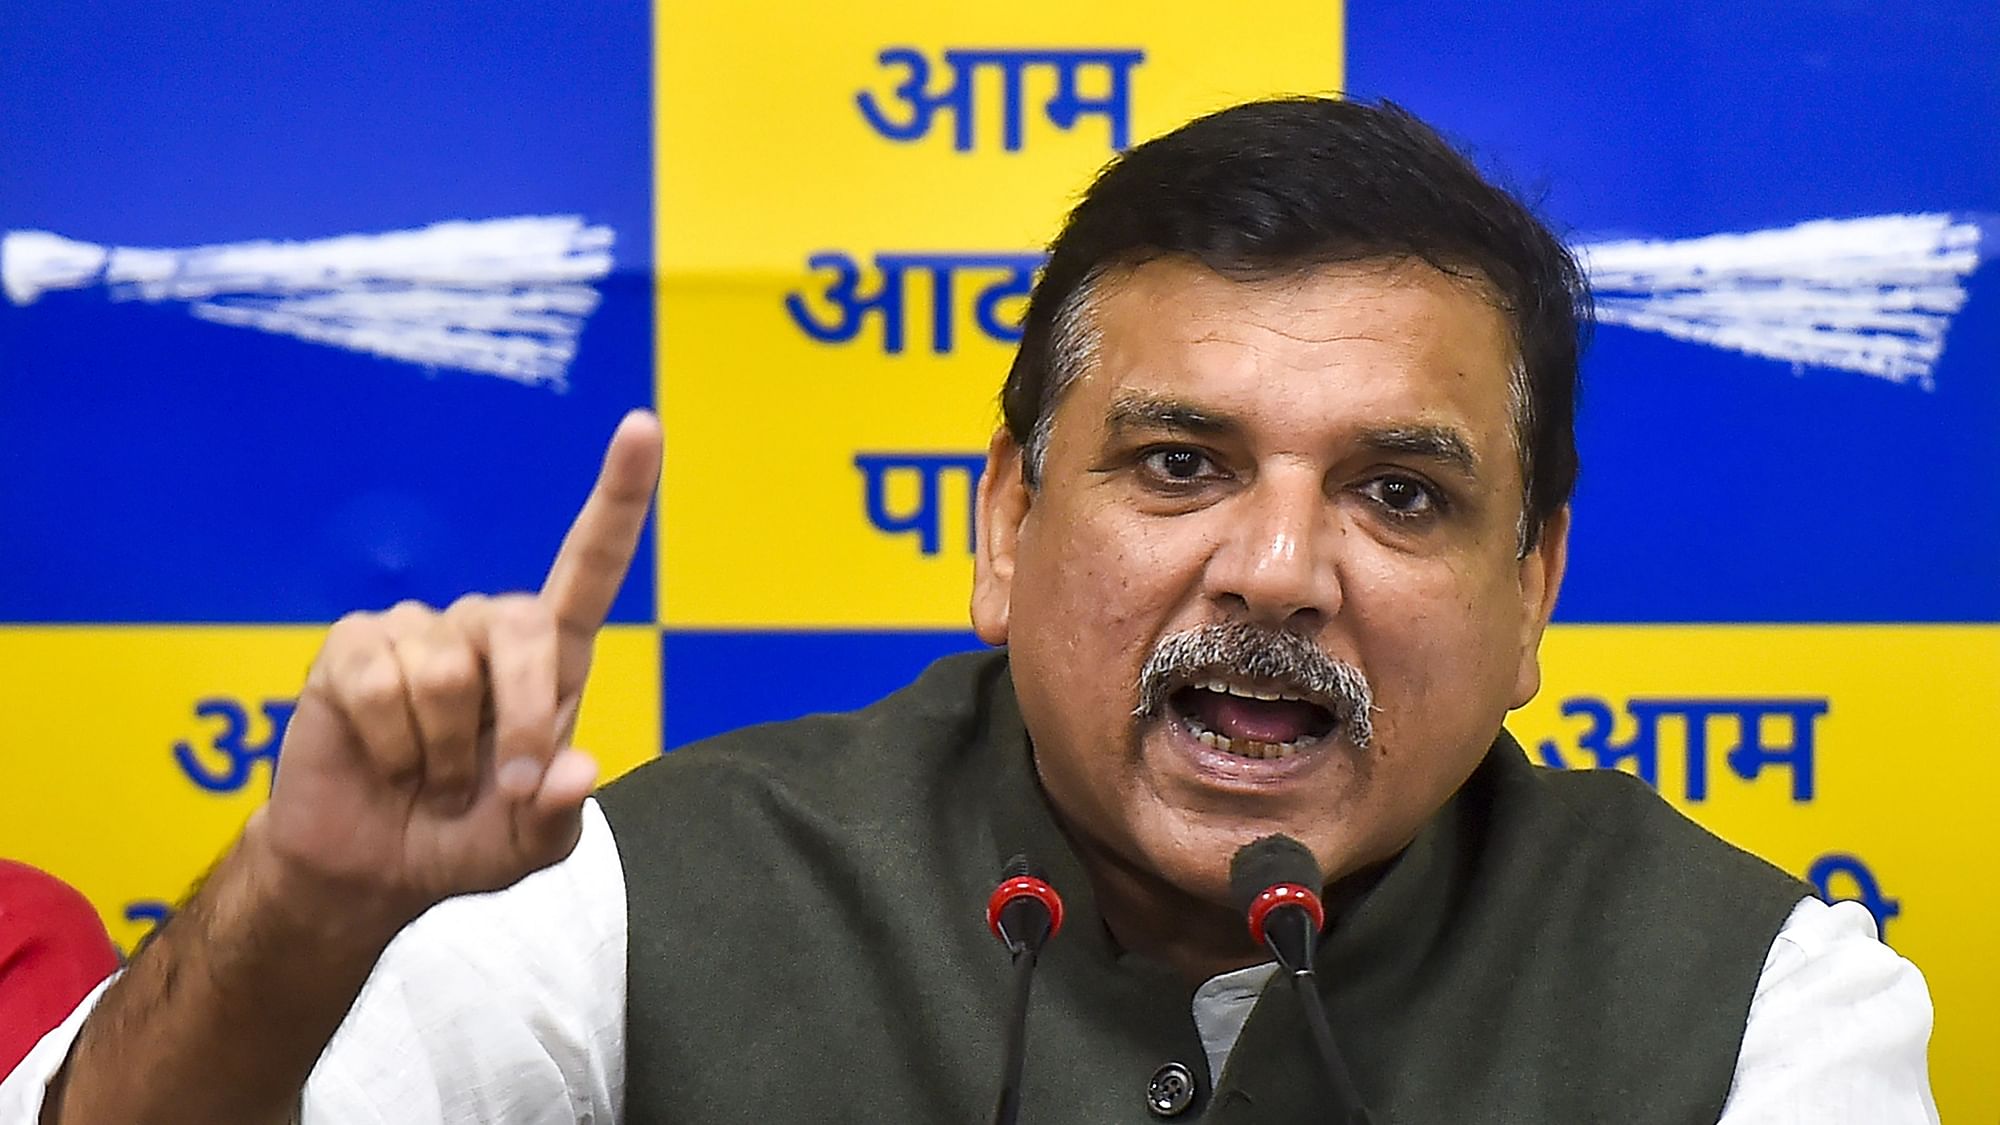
column 1024, row 912
column 1276, row 883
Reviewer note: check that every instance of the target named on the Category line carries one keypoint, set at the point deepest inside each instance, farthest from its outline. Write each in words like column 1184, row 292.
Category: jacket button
column 1171, row 1090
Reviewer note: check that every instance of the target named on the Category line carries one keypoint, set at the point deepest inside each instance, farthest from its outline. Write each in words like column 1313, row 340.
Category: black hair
column 1288, row 184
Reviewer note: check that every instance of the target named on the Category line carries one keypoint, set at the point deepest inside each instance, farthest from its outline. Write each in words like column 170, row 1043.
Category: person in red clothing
column 53, row 951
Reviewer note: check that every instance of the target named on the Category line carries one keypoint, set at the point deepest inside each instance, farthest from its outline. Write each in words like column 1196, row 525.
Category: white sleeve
column 21, row 1091
column 1838, row 1030
column 505, row 1007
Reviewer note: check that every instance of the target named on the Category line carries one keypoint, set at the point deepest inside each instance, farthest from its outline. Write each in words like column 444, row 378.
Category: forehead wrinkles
column 1419, row 347
column 1263, row 341
column 1421, row 312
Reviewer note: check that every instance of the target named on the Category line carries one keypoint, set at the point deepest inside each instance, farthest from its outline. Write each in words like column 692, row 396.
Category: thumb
column 548, row 821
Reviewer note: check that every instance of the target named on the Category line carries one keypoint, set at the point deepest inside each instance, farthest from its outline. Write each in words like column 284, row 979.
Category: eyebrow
column 1442, row 444
column 1152, row 412
column 1436, row 443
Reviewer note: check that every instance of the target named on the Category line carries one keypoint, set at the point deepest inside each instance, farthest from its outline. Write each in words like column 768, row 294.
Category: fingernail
column 518, row 777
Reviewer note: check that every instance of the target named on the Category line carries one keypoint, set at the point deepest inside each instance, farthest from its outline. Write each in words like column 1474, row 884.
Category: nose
column 1274, row 564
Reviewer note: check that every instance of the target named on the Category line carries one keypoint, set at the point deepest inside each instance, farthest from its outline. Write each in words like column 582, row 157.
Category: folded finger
column 545, row 827
column 521, row 664
column 444, row 675
column 359, row 676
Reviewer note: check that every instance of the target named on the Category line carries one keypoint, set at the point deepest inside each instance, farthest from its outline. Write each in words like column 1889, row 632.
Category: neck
column 1153, row 918
column 1193, row 936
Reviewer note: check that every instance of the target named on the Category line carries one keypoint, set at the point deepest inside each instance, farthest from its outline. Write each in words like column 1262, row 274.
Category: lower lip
column 1219, row 767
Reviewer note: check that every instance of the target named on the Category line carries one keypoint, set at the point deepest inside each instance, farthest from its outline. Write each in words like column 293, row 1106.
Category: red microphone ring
column 1024, row 886
column 1284, row 894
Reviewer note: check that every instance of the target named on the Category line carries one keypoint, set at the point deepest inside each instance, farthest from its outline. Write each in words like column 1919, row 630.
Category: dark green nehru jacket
column 808, row 944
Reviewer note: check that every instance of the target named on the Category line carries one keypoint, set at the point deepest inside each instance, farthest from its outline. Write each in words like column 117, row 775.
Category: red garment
column 53, row 951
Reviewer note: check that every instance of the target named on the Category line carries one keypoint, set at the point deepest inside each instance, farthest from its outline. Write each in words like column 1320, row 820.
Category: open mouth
column 1252, row 721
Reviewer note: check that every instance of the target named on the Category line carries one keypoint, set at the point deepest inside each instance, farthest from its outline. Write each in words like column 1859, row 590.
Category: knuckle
column 523, row 616
column 354, row 648
column 407, row 612
column 352, row 621
column 352, row 631
column 449, row 673
column 372, row 680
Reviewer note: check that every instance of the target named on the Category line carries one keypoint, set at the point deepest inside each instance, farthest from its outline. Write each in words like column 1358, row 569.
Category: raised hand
column 429, row 755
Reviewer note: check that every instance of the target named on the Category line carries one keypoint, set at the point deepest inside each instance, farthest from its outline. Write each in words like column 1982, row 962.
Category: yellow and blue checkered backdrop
column 309, row 311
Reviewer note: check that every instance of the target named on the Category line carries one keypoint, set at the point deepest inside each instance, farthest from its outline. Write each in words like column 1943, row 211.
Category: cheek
column 1093, row 595
column 1069, row 611
column 1103, row 582
column 1438, row 638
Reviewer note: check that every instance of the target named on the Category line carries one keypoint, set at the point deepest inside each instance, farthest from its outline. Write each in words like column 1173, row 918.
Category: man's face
column 1329, row 455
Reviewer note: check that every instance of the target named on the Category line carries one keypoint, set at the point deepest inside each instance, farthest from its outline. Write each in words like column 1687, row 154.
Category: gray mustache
column 1240, row 650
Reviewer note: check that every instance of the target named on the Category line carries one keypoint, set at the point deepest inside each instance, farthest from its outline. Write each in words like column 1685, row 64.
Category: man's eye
column 1402, row 496
column 1177, row 464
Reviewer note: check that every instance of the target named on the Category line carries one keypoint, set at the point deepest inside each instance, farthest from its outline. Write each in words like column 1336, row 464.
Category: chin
column 1195, row 857
column 1192, row 848
column 1196, row 824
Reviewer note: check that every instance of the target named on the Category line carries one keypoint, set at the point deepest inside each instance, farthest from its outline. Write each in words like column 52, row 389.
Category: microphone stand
column 1016, row 1042
column 1294, row 951
column 1024, row 912
column 1344, row 1092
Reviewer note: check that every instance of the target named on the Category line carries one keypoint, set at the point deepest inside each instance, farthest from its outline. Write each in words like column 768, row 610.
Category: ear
column 1541, row 578
column 1002, row 504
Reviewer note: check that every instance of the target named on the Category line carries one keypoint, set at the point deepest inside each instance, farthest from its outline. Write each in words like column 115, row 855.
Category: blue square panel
column 1734, row 467
column 718, row 681
column 313, row 308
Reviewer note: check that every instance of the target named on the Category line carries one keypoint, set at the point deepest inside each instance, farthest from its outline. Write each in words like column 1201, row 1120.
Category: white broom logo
column 505, row 297
column 1872, row 295
column 508, row 297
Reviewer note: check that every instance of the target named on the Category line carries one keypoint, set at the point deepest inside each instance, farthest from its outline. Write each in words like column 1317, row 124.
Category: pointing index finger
column 598, row 551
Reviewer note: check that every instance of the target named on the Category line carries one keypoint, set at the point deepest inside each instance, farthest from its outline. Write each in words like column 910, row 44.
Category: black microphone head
column 1267, row 862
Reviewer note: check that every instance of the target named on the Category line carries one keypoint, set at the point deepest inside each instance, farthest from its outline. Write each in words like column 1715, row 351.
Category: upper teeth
column 1248, row 693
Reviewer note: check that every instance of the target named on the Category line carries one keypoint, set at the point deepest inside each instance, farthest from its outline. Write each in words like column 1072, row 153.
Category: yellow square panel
column 790, row 164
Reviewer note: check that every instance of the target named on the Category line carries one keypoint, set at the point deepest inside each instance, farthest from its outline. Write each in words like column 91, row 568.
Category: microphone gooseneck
column 1276, row 883
column 1024, row 912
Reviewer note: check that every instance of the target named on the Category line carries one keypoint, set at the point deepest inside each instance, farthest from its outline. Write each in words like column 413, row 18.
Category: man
column 1271, row 536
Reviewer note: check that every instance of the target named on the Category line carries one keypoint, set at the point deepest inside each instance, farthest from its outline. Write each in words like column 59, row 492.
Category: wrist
column 300, row 905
